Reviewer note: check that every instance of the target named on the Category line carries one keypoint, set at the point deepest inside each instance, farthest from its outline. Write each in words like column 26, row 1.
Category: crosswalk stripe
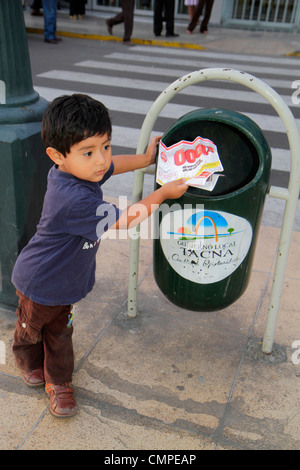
column 127, row 137
column 118, row 75
column 281, row 159
column 166, row 72
column 284, row 61
column 122, row 104
column 196, row 91
column 199, row 64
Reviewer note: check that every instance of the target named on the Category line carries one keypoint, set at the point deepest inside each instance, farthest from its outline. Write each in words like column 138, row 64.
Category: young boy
column 57, row 267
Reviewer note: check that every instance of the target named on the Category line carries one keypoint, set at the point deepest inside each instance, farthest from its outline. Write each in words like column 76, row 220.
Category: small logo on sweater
column 88, row 245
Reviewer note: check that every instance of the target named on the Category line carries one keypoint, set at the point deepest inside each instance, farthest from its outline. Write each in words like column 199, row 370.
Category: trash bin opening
column 238, row 155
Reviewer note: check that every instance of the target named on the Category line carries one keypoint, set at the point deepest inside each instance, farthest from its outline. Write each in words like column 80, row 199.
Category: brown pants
column 43, row 339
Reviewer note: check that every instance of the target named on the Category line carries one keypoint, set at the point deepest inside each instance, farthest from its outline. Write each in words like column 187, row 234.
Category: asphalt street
column 129, row 79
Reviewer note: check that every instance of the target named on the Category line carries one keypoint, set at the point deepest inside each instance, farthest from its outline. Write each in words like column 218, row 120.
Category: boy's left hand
column 152, row 148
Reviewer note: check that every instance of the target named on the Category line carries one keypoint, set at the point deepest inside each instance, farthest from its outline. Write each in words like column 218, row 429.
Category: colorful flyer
column 197, row 161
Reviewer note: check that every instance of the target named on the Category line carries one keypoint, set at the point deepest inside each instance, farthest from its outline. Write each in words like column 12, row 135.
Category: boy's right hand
column 175, row 189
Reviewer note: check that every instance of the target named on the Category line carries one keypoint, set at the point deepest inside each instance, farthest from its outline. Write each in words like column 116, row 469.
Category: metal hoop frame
column 290, row 195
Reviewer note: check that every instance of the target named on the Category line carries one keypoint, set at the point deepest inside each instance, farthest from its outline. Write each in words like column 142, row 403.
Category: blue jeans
column 50, row 11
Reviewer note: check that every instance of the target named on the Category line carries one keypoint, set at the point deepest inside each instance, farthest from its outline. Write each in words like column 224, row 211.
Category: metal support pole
column 290, row 195
column 134, row 246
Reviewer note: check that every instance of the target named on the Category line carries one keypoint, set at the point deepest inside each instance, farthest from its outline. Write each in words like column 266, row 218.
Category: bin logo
column 205, row 224
column 204, row 246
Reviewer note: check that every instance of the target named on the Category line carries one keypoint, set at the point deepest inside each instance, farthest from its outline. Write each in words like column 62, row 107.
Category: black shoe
column 174, row 35
column 36, row 13
column 51, row 41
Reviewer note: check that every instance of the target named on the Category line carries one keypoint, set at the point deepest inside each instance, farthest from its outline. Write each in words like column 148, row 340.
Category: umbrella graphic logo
column 206, row 225
column 204, row 246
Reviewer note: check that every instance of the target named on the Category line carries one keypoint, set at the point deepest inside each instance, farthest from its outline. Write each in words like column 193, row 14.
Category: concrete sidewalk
column 93, row 26
column 169, row 379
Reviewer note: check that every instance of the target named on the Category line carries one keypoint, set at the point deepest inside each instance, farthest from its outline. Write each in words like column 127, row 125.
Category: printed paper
column 197, row 161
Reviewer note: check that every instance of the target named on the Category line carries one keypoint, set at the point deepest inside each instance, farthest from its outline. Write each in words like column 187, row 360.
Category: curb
column 293, row 54
column 97, row 37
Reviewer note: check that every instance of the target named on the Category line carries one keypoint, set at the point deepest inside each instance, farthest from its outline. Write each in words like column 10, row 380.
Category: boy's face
column 89, row 159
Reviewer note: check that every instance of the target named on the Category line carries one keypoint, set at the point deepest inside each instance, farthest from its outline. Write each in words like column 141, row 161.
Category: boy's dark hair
column 69, row 119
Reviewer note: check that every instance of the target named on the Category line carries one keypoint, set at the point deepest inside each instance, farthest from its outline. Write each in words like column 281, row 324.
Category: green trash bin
column 204, row 242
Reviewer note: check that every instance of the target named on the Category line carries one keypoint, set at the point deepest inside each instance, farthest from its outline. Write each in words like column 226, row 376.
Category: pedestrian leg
column 119, row 18
column 50, row 13
column 169, row 15
column 196, row 16
column 157, row 17
column 128, row 12
column 208, row 9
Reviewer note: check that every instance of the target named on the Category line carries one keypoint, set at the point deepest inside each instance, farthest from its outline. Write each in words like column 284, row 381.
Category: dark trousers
column 77, row 7
column 36, row 5
column 208, row 9
column 50, row 14
column 42, row 339
column 126, row 17
column 163, row 9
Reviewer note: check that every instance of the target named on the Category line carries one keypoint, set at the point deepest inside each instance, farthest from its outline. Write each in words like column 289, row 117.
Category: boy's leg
column 27, row 346
column 59, row 364
column 58, row 347
column 43, row 340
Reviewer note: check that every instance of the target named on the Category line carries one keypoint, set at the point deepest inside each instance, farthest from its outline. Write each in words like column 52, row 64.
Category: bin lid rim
column 221, row 115
column 264, row 151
